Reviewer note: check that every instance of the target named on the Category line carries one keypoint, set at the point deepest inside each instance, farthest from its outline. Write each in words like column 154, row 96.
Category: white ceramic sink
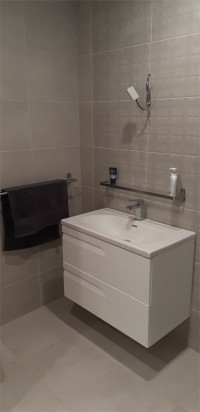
column 123, row 227
column 147, row 238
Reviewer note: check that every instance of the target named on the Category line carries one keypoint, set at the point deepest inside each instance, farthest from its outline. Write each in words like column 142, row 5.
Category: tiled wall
column 40, row 137
column 120, row 42
column 86, row 103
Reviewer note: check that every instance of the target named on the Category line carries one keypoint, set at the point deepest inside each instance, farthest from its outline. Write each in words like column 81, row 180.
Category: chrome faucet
column 139, row 207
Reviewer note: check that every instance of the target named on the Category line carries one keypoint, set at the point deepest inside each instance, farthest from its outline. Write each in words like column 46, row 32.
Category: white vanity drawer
column 121, row 311
column 125, row 271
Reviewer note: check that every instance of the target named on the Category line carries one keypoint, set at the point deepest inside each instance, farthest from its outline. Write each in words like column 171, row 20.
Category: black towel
column 31, row 213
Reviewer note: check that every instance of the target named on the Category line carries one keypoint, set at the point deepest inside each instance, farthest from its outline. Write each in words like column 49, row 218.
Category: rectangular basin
column 146, row 238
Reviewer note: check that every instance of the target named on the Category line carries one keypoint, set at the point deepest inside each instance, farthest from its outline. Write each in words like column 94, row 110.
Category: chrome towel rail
column 68, row 180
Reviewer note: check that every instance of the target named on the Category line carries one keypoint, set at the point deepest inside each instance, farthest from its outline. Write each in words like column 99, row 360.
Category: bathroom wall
column 86, row 103
column 120, row 42
column 40, row 137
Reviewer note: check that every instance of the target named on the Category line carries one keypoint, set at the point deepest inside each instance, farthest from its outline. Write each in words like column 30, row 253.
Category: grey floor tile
column 180, row 379
column 40, row 399
column 33, row 332
column 62, row 358
column 120, row 390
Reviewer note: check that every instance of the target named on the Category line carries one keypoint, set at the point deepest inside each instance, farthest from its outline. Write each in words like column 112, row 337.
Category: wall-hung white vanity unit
column 135, row 275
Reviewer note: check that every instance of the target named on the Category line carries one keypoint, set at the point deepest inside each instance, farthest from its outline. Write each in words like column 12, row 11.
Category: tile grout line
column 42, row 100
column 95, row 101
column 52, row 268
column 92, row 80
column 30, row 133
column 40, row 148
column 149, row 117
column 143, row 151
column 103, row 148
column 78, row 80
column 28, row 92
column 20, row 281
column 153, row 99
column 49, row 53
column 145, row 44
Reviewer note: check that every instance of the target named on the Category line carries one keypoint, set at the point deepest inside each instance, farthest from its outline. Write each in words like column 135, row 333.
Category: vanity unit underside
column 145, row 298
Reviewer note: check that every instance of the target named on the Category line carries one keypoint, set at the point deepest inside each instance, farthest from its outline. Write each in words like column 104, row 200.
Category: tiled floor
column 60, row 358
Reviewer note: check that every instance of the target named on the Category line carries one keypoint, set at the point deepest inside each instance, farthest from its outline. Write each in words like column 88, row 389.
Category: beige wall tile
column 99, row 196
column 197, row 252
column 176, row 67
column 85, row 78
column 179, row 409
column 50, row 255
column 52, row 77
column 174, row 18
column 159, row 181
column 184, row 164
column 120, row 24
column 87, row 166
column 181, row 333
column 51, row 26
column 14, row 126
column 175, row 126
column 87, row 194
column 120, row 125
column 20, row 298
column 13, row 82
column 12, row 24
column 84, row 27
column 86, row 123
column 54, row 124
column 188, row 169
column 113, row 199
column 55, row 163
column 173, row 215
column 196, row 287
column 74, row 197
column 131, row 166
column 18, row 265
column 16, row 168
column 51, row 285
column 194, row 331
column 115, row 71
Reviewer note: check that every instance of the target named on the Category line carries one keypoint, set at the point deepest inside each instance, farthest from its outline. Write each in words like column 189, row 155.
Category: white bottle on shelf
column 173, row 182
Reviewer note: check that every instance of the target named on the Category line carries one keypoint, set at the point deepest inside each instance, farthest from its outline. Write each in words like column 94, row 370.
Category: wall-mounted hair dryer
column 132, row 93
column 134, row 96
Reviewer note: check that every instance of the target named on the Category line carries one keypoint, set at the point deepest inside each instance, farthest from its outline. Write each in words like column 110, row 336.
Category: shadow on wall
column 51, row 289
column 146, row 363
column 129, row 132
column 132, row 131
